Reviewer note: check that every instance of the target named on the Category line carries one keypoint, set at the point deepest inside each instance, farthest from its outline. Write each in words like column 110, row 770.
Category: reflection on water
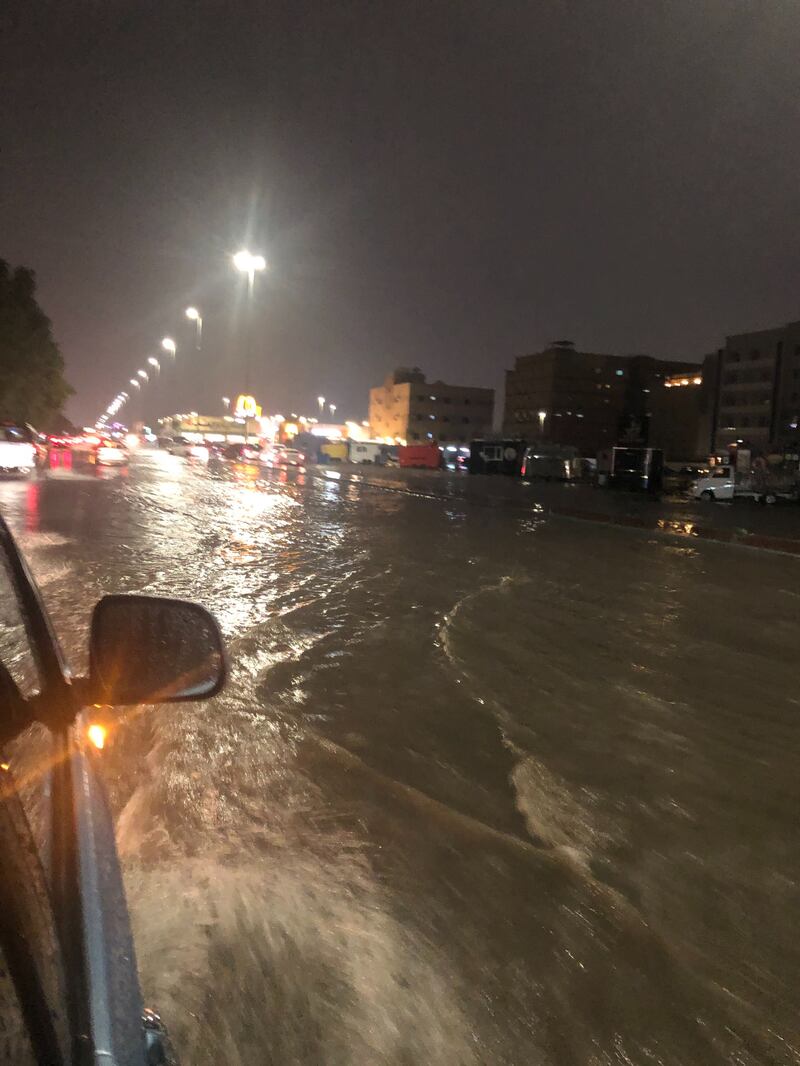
column 487, row 786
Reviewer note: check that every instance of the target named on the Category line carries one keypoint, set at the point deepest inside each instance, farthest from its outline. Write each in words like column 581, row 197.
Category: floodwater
column 486, row 786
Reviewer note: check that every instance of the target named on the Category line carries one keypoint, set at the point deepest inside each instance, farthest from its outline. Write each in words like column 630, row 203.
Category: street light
column 143, row 375
column 542, row 417
column 321, row 402
column 333, row 409
column 151, row 359
column 168, row 344
column 249, row 264
column 226, row 402
column 197, row 318
column 136, row 382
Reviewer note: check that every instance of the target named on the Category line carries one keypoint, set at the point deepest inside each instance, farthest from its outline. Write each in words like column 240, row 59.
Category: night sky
column 442, row 184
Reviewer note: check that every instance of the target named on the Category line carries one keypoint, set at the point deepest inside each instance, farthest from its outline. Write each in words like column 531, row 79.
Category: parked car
column 19, row 452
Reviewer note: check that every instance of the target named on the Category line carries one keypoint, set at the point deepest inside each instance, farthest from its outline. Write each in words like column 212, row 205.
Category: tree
column 32, row 384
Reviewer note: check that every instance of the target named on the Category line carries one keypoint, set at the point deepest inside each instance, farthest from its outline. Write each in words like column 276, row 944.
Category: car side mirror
column 149, row 649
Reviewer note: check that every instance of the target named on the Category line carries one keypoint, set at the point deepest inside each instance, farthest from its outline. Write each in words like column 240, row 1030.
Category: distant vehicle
column 99, row 450
column 239, row 453
column 111, row 453
column 188, row 449
column 365, row 452
column 280, row 455
column 333, row 451
column 637, row 469
column 19, row 453
column 552, row 462
column 761, row 484
column 421, row 456
column 496, row 456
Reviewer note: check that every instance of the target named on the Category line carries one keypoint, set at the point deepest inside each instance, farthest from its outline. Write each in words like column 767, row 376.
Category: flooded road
column 486, row 787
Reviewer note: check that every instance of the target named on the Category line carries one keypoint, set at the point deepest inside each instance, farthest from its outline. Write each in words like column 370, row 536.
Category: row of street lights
column 243, row 261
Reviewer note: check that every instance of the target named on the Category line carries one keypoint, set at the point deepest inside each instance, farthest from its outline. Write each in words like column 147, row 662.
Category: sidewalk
column 743, row 522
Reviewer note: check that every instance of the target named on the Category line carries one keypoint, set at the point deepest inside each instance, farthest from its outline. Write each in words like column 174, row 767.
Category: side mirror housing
column 150, row 649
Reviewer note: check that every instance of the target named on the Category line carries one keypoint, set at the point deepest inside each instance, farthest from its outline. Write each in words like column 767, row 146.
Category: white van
column 365, row 451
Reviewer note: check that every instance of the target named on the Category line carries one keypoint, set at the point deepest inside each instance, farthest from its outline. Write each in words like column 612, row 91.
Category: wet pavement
column 489, row 784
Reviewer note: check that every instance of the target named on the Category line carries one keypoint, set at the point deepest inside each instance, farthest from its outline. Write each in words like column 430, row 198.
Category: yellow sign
column 246, row 407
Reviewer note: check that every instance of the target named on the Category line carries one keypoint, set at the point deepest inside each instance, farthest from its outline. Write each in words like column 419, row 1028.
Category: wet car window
column 15, row 650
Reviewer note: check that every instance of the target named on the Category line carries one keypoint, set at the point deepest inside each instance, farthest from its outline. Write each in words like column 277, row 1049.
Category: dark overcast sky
column 447, row 184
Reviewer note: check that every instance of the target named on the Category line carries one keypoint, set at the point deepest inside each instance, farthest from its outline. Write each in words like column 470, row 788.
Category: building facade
column 408, row 409
column 758, row 392
column 682, row 413
column 589, row 400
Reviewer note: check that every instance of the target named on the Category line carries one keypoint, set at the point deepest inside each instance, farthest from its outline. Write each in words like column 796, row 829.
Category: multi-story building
column 682, row 413
column 758, row 392
column 589, row 400
column 407, row 408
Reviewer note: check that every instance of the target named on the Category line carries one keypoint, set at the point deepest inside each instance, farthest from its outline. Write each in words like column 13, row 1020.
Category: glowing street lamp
column 151, row 359
column 321, row 402
column 168, row 344
column 193, row 314
column 143, row 375
column 332, row 407
column 249, row 264
column 542, row 417
column 226, row 402
column 136, row 382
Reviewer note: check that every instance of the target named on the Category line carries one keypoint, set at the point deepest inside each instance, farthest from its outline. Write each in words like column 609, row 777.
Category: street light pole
column 249, row 264
column 542, row 417
column 197, row 318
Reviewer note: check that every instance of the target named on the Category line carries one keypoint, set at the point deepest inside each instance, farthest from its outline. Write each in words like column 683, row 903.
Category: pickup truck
column 763, row 485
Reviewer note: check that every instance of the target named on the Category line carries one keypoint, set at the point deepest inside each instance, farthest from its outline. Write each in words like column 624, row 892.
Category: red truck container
column 427, row 456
